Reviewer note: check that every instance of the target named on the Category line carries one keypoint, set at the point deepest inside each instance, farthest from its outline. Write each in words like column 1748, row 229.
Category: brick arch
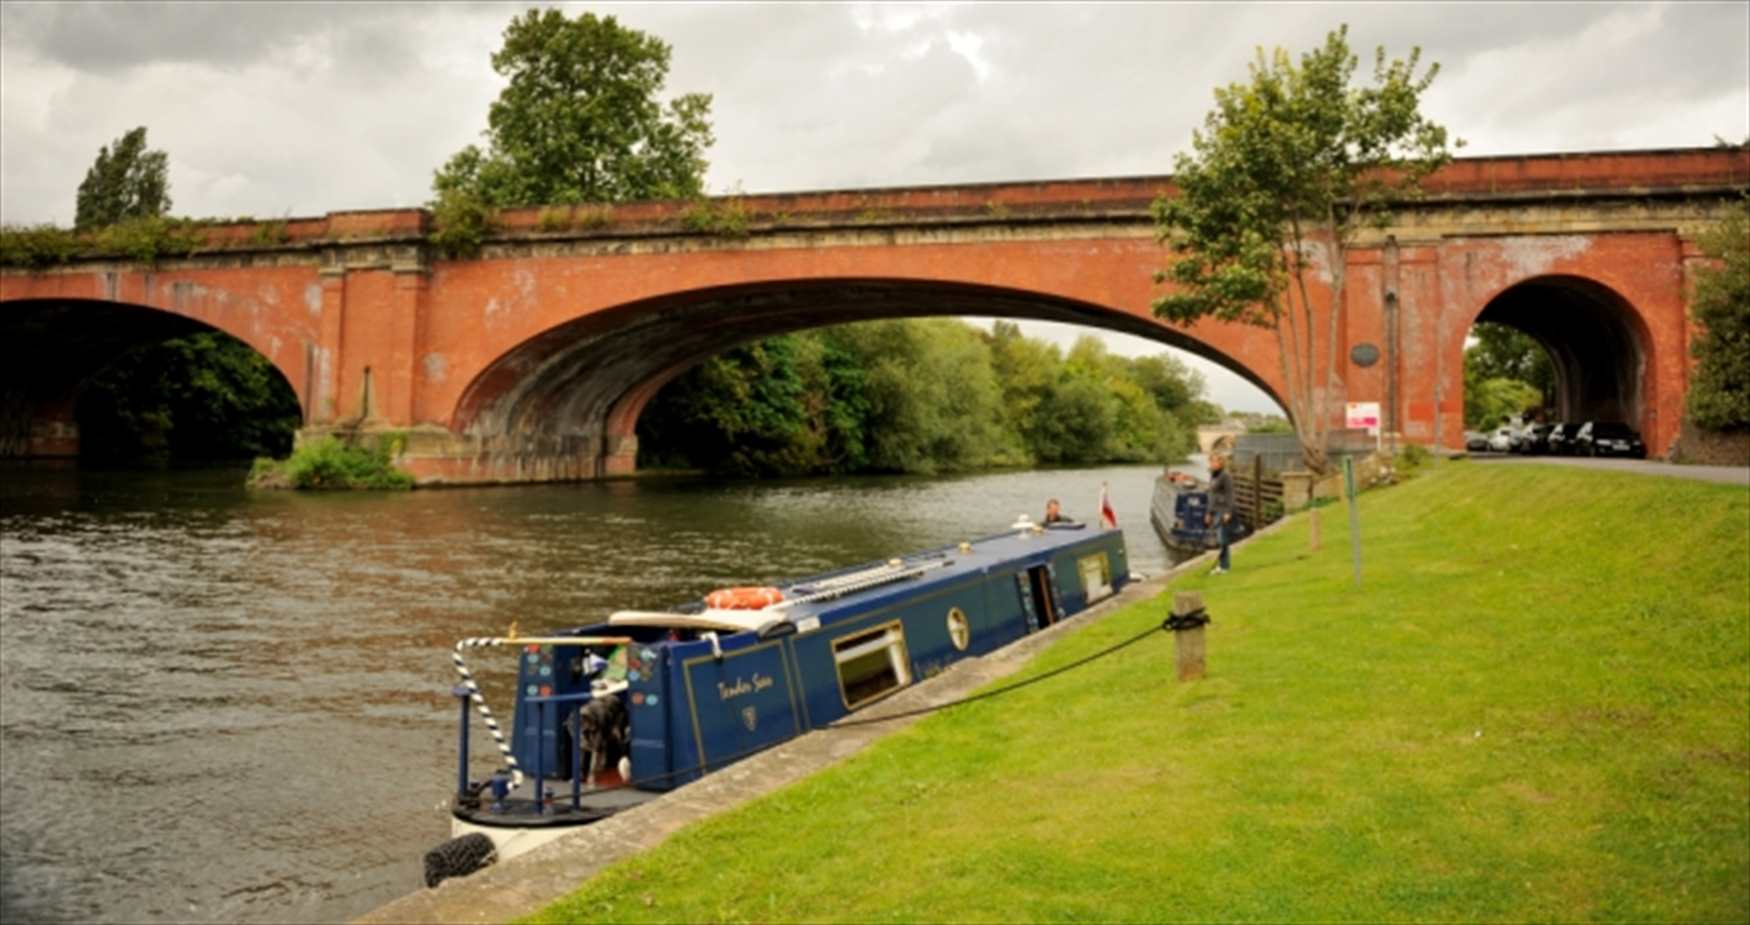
column 580, row 385
column 51, row 347
column 1603, row 349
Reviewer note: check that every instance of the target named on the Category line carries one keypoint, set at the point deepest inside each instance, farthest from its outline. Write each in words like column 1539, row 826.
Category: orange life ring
column 743, row 598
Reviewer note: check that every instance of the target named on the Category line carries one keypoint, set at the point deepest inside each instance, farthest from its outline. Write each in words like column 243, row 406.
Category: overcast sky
column 300, row 109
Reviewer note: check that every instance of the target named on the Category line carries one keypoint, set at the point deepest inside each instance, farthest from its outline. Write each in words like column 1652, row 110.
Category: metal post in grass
column 1187, row 626
column 1354, row 517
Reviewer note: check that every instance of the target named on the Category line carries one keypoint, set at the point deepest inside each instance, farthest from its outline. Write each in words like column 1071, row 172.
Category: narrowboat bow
column 611, row 715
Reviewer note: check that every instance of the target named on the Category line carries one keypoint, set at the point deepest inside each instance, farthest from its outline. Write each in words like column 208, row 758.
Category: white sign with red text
column 1362, row 414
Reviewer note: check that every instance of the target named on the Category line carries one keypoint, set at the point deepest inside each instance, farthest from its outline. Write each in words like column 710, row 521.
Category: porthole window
column 959, row 630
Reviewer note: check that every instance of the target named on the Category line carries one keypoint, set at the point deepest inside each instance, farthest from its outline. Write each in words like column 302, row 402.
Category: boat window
column 871, row 664
column 1096, row 573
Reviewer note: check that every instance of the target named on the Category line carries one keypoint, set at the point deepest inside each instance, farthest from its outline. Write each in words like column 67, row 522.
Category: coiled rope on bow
column 473, row 688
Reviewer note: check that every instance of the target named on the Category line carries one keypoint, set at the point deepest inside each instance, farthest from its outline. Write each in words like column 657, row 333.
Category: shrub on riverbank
column 1506, row 723
column 329, row 464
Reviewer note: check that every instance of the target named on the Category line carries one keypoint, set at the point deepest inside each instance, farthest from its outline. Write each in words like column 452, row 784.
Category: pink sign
column 1359, row 414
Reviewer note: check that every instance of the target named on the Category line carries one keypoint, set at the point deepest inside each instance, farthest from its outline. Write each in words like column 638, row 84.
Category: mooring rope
column 1171, row 624
column 516, row 773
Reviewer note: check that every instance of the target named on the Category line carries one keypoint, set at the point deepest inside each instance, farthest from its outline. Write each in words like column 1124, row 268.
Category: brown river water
column 219, row 706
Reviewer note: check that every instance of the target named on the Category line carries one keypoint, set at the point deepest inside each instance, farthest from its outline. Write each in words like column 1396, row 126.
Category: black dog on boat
column 604, row 726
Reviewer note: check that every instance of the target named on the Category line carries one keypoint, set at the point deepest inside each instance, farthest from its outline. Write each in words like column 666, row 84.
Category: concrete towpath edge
column 530, row 882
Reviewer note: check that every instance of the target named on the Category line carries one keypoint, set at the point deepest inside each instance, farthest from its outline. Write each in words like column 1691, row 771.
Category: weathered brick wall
column 1696, row 446
column 531, row 361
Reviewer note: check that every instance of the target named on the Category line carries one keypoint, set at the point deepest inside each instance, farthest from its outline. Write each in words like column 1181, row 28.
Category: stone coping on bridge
column 1529, row 177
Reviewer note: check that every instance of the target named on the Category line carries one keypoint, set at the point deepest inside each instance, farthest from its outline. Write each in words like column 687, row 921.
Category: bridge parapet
column 400, row 237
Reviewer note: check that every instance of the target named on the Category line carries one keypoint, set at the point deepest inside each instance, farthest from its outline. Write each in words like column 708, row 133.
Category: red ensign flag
column 1108, row 517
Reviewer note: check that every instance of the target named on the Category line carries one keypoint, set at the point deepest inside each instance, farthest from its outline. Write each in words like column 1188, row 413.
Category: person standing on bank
column 1221, row 507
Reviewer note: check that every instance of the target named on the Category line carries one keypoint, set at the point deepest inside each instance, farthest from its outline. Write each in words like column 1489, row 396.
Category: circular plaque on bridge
column 1364, row 354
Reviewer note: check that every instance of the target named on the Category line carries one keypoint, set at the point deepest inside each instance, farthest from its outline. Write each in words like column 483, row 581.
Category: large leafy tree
column 1506, row 373
column 1502, row 352
column 581, row 120
column 1489, row 403
column 1288, row 168
column 1719, row 395
column 203, row 396
column 916, row 395
column 127, row 181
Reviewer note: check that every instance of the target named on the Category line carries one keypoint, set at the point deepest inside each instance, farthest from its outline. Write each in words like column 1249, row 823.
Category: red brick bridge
column 532, row 361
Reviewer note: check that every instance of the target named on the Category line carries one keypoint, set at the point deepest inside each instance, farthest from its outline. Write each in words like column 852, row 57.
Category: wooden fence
column 1257, row 500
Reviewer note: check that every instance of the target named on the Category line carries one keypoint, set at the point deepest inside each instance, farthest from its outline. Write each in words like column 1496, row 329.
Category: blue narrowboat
column 1179, row 511
column 610, row 715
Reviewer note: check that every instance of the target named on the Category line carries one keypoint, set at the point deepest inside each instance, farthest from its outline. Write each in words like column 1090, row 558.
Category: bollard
column 1187, row 624
column 461, row 694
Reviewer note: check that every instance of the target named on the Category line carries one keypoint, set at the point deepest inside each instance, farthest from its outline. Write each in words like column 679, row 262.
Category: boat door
column 1039, row 599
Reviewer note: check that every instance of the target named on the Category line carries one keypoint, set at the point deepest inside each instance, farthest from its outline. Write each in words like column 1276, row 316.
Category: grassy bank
column 1537, row 709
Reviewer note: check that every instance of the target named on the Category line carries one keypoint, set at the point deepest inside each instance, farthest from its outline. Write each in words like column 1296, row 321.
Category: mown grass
column 1537, row 708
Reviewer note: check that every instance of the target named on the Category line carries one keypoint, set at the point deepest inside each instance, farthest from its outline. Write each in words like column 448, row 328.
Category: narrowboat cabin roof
column 810, row 601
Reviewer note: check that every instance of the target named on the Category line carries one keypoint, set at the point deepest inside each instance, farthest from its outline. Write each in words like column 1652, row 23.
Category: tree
column 1501, row 352
column 202, row 396
column 126, row 182
column 580, row 120
column 1492, row 402
column 918, row 395
column 1287, row 169
column 1719, row 395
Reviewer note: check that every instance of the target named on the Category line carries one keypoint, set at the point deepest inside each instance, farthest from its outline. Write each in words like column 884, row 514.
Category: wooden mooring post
column 1188, row 640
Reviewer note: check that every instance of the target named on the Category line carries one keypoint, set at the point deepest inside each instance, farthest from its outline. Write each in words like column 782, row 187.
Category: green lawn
column 1537, row 709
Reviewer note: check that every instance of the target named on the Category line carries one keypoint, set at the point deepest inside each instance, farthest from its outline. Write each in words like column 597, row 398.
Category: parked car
column 1561, row 439
column 1501, row 440
column 1608, row 438
column 1476, row 441
column 1536, row 439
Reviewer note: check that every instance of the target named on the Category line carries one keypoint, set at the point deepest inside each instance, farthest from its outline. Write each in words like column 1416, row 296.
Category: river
column 221, row 706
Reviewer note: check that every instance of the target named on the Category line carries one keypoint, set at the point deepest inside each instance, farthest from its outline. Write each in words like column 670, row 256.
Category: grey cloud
column 364, row 101
column 105, row 37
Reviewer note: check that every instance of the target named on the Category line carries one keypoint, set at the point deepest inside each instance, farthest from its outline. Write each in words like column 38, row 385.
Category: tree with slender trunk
column 1288, row 169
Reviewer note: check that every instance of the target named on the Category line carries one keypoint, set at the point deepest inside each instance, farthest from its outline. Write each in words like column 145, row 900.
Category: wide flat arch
column 1600, row 345
column 50, row 347
column 589, row 378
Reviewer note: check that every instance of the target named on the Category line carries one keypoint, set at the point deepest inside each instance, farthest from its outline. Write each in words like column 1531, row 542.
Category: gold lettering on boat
column 742, row 686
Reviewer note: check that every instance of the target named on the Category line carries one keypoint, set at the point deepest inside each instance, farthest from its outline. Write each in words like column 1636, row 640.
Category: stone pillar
column 1296, row 491
column 325, row 381
column 401, row 405
column 1694, row 258
column 619, row 454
